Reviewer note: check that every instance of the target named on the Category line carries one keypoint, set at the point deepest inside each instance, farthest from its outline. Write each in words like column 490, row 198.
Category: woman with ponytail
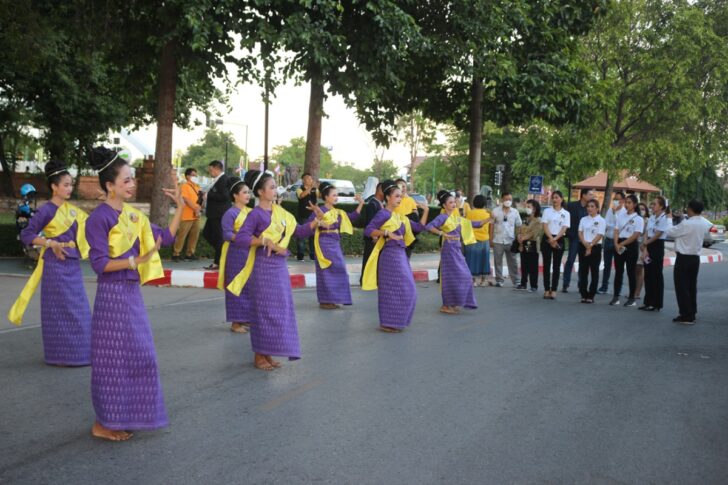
column 125, row 387
column 58, row 227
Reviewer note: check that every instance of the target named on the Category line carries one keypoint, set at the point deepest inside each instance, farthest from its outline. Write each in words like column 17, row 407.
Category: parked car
column 346, row 190
column 419, row 198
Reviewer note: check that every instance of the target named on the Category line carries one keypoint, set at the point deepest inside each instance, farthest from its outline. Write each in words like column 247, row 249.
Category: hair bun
column 100, row 157
column 388, row 186
column 442, row 196
column 54, row 167
column 250, row 177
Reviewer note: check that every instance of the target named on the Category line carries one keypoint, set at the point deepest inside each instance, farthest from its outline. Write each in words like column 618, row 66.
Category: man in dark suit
column 218, row 201
column 577, row 210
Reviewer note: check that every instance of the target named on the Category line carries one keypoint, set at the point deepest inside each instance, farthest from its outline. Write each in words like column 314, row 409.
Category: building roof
column 627, row 183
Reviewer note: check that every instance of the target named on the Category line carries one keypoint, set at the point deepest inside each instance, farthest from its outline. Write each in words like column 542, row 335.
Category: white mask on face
column 529, row 211
column 615, row 203
column 507, row 203
column 195, row 180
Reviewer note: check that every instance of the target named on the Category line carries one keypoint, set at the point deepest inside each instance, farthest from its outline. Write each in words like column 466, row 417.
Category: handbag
column 515, row 246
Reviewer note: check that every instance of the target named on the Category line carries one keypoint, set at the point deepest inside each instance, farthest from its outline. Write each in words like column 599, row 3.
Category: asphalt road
column 522, row 390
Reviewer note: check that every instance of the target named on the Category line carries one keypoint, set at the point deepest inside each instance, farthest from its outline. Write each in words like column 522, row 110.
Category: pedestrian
column 653, row 249
column 629, row 226
column 478, row 255
column 305, row 195
column 332, row 278
column 189, row 228
column 591, row 232
column 265, row 234
column 217, row 196
column 503, row 228
column 58, row 227
column 688, row 236
column 640, row 268
column 238, row 309
column 455, row 284
column 387, row 269
column 611, row 218
column 528, row 237
column 556, row 221
column 374, row 204
column 125, row 387
column 407, row 208
column 577, row 210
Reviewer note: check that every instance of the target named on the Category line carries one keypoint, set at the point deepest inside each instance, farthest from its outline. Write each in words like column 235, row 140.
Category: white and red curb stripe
column 208, row 279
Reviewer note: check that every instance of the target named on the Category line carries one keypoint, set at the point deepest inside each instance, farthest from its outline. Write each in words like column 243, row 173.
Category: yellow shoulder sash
column 369, row 281
column 466, row 227
column 331, row 217
column 226, row 246
column 134, row 224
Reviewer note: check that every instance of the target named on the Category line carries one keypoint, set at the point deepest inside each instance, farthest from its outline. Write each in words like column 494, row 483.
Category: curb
column 208, row 279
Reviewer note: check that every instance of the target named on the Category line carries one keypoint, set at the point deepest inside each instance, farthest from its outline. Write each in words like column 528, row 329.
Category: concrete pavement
column 522, row 390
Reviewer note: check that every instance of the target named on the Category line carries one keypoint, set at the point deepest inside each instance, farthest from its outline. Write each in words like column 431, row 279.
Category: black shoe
column 299, row 259
column 603, row 290
column 615, row 301
column 191, row 257
column 630, row 302
column 685, row 320
column 583, row 300
column 175, row 259
column 520, row 288
column 565, row 289
column 648, row 308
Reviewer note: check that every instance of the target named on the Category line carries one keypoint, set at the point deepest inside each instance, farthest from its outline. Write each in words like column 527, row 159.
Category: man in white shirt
column 688, row 236
column 611, row 218
column 503, row 228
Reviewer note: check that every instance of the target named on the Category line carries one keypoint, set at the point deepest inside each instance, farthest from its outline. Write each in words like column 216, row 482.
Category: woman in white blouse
column 653, row 249
column 626, row 248
column 591, row 232
column 556, row 220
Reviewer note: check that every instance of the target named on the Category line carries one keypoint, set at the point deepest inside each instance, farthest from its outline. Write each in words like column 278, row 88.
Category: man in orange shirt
column 189, row 228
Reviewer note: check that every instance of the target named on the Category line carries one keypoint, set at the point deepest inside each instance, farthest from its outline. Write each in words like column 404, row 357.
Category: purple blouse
column 438, row 221
column 255, row 224
column 98, row 226
column 228, row 226
column 40, row 219
column 381, row 218
column 306, row 230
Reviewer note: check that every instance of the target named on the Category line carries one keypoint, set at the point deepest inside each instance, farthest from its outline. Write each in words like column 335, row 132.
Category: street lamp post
column 220, row 122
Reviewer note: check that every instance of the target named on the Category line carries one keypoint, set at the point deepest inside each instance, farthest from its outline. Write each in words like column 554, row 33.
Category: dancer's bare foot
column 238, row 328
column 389, row 329
column 328, row 306
column 448, row 310
column 98, row 431
column 272, row 361
column 261, row 362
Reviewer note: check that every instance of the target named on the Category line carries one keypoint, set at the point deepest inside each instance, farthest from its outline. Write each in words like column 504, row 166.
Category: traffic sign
column 535, row 184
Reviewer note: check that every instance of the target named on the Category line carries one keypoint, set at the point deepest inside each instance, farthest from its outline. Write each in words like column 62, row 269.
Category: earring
column 112, row 195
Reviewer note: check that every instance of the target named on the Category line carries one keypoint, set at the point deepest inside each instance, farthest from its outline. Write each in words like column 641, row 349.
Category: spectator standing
column 478, row 255
column 505, row 221
column 611, row 218
column 577, row 211
column 688, row 236
column 591, row 231
column 306, row 194
column 528, row 237
column 640, row 269
column 653, row 249
column 556, row 221
column 217, row 198
column 189, row 228
column 626, row 248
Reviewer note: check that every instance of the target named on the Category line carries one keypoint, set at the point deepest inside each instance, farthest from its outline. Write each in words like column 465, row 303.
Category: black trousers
column 589, row 266
column 551, row 264
column 368, row 248
column 629, row 259
column 654, row 281
column 529, row 268
column 686, row 284
column 212, row 232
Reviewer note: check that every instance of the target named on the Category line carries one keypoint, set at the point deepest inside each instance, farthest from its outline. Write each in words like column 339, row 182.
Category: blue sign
column 535, row 184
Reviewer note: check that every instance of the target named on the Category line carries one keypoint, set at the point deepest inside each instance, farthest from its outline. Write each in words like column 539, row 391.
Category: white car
column 345, row 188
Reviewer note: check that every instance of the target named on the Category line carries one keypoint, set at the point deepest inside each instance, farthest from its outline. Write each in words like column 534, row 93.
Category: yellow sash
column 369, row 281
column 466, row 227
column 62, row 221
column 281, row 228
column 331, row 217
column 133, row 225
column 226, row 245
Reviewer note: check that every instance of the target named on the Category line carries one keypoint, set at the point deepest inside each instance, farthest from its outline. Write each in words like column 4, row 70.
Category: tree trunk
column 476, row 138
column 7, row 173
column 607, row 195
column 162, row 177
column 312, row 162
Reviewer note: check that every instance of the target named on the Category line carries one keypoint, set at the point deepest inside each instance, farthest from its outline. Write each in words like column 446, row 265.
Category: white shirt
column 628, row 224
column 505, row 230
column 689, row 235
column 591, row 227
column 556, row 219
column 658, row 224
column 612, row 221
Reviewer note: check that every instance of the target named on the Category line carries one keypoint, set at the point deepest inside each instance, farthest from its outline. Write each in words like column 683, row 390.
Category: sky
column 341, row 132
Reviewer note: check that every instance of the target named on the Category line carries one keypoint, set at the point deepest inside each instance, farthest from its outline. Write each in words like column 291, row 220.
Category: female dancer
column 265, row 234
column 455, row 283
column 654, row 249
column 591, row 232
column 528, row 236
column 65, row 316
column 626, row 248
column 332, row 280
column 556, row 220
column 238, row 309
column 125, row 387
column 388, row 268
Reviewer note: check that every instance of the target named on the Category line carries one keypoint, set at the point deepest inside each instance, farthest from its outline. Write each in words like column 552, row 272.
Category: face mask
column 507, row 203
column 615, row 203
column 195, row 180
column 529, row 211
